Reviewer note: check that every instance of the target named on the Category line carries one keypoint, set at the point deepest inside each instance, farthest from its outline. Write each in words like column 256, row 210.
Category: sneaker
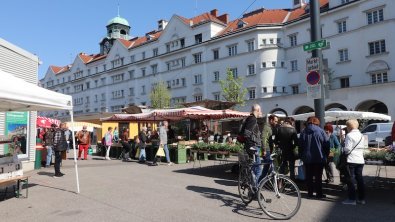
column 362, row 202
column 349, row 202
column 170, row 164
column 57, row 175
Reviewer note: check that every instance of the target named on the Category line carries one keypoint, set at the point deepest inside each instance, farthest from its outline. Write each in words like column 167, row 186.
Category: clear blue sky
column 57, row 30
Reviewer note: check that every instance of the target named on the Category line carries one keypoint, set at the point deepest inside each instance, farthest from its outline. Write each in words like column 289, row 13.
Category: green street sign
column 315, row 45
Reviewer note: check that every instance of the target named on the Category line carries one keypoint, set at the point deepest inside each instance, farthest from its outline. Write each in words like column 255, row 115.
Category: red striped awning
column 46, row 122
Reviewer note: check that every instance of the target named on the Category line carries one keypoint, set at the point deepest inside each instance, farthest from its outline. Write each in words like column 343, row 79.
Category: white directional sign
column 313, row 64
column 314, row 91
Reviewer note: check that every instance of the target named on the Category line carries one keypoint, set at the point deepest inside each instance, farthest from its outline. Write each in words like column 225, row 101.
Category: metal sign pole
column 315, row 25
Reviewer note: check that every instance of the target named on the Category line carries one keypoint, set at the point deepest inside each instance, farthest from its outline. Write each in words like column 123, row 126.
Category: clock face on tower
column 106, row 47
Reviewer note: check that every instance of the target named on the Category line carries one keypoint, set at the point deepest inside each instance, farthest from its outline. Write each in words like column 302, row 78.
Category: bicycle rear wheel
column 281, row 203
column 245, row 192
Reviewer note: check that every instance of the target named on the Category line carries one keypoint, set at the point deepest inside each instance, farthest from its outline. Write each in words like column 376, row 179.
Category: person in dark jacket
column 253, row 141
column 143, row 142
column 287, row 140
column 125, row 145
column 314, row 150
column 59, row 145
column 48, row 142
column 269, row 132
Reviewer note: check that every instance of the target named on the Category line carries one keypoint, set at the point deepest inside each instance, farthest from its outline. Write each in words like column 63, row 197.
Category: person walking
column 125, row 145
column 143, row 142
column 268, row 136
column 163, row 142
column 313, row 151
column 116, row 135
column 353, row 147
column 84, row 139
column 108, row 138
column 60, row 145
column 48, row 142
column 333, row 144
column 253, row 140
column 287, row 140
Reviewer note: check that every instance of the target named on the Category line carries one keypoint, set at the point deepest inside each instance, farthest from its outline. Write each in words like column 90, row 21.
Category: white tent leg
column 75, row 151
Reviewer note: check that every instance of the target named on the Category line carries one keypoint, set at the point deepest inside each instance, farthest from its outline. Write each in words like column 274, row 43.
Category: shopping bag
column 90, row 151
column 137, row 153
column 160, row 152
column 301, row 171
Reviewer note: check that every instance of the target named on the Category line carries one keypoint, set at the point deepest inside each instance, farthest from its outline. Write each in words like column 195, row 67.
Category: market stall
column 30, row 97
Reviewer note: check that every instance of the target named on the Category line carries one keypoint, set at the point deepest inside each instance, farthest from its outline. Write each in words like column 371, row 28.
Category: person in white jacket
column 353, row 146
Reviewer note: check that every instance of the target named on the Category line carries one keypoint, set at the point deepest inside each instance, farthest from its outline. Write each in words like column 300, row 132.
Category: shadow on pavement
column 230, row 200
column 44, row 173
column 214, row 171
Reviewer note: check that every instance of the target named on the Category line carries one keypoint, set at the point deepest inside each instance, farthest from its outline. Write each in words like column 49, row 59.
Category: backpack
column 240, row 136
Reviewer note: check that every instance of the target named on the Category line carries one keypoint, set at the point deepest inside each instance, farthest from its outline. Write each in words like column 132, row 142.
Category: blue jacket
column 313, row 145
column 333, row 142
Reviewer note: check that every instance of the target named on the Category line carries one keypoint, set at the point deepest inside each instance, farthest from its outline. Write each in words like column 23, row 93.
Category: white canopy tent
column 19, row 95
column 331, row 116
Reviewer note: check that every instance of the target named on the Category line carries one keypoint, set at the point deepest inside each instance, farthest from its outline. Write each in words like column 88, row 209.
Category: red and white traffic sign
column 313, row 78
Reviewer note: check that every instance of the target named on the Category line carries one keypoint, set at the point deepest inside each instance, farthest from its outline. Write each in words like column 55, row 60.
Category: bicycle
column 278, row 196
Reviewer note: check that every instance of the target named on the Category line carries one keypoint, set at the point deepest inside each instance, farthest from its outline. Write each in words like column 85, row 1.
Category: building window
column 89, row 73
column 197, row 58
column 154, row 69
column 117, row 94
column 183, row 62
column 263, row 41
column 142, row 90
column 294, row 65
column 132, row 59
column 345, row 1
column 168, row 47
column 79, row 88
column 88, row 85
column 217, row 96
column 198, row 98
column 295, row 89
column 131, row 74
column 251, row 93
column 250, row 46
column 198, row 79
column 376, row 47
column 282, row 64
column 104, row 67
column 343, row 55
column 344, row 82
column 96, row 69
column 271, row 41
column 375, row 16
column 183, row 82
column 274, row 89
column 155, row 52
column 143, row 72
column 216, row 54
column 216, row 76
column 251, row 69
column 264, row 89
column 96, row 98
column 263, row 64
column 342, row 26
column 198, row 38
column 103, row 97
column 117, row 78
column 143, row 55
column 182, row 42
column 103, row 81
column 116, row 108
column 234, row 72
column 379, row 78
column 78, row 74
column 293, row 40
column 274, row 64
column 232, row 50
column 278, row 41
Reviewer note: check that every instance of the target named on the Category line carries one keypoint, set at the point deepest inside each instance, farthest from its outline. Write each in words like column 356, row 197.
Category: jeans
column 329, row 170
column 68, row 146
column 356, row 173
column 266, row 167
column 108, row 152
column 58, row 160
column 142, row 154
column 166, row 153
column 49, row 155
column 257, row 167
column 288, row 163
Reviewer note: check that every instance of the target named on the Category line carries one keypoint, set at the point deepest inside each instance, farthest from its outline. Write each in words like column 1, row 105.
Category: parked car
column 377, row 130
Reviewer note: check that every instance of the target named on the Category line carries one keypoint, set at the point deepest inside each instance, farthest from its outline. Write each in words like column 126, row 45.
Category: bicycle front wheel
column 279, row 198
column 245, row 192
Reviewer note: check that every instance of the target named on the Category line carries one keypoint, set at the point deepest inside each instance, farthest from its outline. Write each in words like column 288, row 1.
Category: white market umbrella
column 331, row 116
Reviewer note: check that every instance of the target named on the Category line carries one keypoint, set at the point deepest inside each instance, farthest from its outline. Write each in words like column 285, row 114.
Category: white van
column 377, row 130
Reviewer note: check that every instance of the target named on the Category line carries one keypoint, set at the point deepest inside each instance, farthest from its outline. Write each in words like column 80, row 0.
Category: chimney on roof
column 190, row 22
column 162, row 24
column 214, row 12
column 224, row 18
column 298, row 3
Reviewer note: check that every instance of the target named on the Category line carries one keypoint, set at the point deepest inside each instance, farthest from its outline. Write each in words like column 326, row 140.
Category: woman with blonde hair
column 353, row 148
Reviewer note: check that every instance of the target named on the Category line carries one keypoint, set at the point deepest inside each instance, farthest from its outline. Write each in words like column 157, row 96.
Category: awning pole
column 75, row 151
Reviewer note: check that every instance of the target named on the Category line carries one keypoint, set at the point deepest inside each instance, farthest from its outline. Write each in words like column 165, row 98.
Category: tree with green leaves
column 232, row 88
column 160, row 96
